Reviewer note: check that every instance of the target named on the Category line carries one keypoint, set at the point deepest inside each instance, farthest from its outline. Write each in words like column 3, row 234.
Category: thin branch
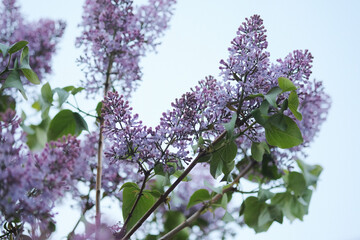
column 100, row 150
column 77, row 108
column 216, row 198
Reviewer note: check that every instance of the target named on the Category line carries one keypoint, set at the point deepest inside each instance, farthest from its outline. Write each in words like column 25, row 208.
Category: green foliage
column 311, row 172
column 271, row 96
column 199, row 196
column 62, row 95
column 4, row 49
column 286, row 85
column 6, row 102
column 130, row 194
column 173, row 219
column 17, row 46
column 280, row 130
column 283, row 132
column 294, row 104
column 222, row 159
column 14, row 81
column 296, row 183
column 258, row 150
column 64, row 123
column 229, row 127
column 293, row 203
column 25, row 67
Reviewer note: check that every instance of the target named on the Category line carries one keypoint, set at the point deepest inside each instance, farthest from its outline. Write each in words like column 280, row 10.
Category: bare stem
column 216, row 198
column 100, row 150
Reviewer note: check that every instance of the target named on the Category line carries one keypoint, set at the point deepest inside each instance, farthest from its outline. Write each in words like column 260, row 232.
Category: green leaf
column 129, row 185
column 265, row 194
column 76, row 90
column 198, row 196
column 230, row 126
column 212, row 188
column 224, row 201
column 289, row 138
column 173, row 219
column 228, row 217
column 36, row 105
column 17, row 46
column 222, row 160
column 145, row 202
column 252, row 209
column 271, row 96
column 293, row 104
column 264, row 218
column 25, row 67
column 258, row 150
column 80, row 123
column 6, row 102
column 62, row 94
column 216, row 166
column 98, row 108
column 24, row 57
column 252, row 96
column 311, row 172
column 276, row 213
column 68, row 88
column 14, row 81
column 4, row 49
column 30, row 75
column 286, row 84
column 64, row 123
column 261, row 114
column 46, row 93
column 277, row 120
column 296, row 182
column 269, row 168
column 283, row 200
column 291, row 207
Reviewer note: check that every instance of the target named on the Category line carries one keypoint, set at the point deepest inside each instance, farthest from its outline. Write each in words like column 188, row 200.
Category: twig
column 77, row 108
column 216, row 198
column 100, row 150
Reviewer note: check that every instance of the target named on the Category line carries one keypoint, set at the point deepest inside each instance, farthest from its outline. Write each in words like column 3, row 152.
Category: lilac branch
column 216, row 198
column 100, row 151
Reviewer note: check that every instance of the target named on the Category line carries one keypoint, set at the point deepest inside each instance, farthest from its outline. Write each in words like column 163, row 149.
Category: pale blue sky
column 200, row 33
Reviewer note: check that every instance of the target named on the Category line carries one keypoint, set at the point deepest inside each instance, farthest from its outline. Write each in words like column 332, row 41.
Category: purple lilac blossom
column 43, row 36
column 114, row 37
column 248, row 71
column 195, row 112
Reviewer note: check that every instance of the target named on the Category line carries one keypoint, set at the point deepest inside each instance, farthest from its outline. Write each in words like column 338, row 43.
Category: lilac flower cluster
column 195, row 112
column 115, row 36
column 14, row 172
column 248, row 71
column 43, row 36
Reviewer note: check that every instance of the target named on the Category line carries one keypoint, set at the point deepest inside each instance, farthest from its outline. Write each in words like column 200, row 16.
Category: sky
column 200, row 33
